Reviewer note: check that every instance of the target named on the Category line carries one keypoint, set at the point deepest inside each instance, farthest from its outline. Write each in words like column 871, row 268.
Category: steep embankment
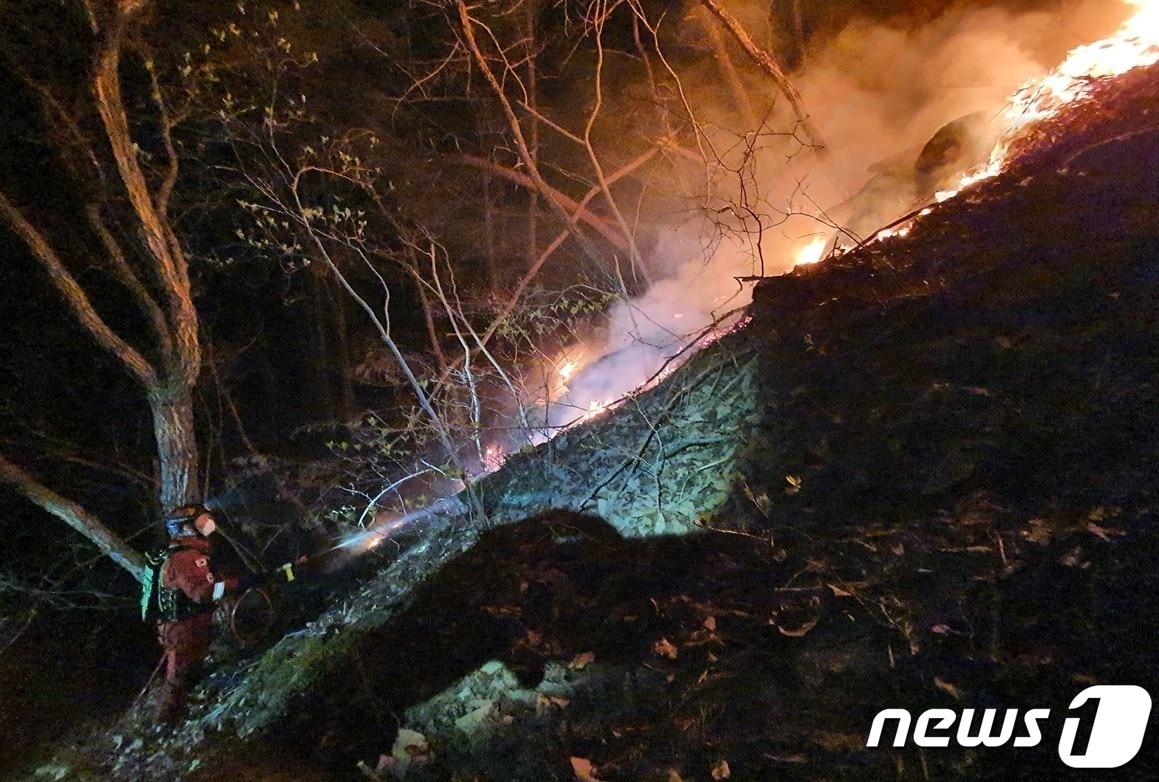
column 926, row 473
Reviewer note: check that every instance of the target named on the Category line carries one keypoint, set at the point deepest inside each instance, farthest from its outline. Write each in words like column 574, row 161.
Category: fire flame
column 596, row 408
column 888, row 233
column 1134, row 45
column 812, row 252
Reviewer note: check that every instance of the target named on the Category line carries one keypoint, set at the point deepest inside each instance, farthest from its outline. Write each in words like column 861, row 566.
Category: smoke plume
column 878, row 93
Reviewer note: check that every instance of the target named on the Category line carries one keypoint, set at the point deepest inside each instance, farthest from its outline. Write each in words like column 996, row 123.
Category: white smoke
column 877, row 93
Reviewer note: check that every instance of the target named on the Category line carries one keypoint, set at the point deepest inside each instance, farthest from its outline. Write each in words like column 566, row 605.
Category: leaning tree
column 124, row 173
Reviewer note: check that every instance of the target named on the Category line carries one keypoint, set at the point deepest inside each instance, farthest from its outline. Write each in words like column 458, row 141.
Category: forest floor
column 924, row 475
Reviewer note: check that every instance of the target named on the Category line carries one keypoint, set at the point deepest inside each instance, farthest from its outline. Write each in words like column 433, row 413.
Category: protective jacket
column 189, row 570
column 188, row 580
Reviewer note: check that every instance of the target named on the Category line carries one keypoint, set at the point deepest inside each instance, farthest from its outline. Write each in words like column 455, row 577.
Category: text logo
column 1104, row 727
column 1115, row 733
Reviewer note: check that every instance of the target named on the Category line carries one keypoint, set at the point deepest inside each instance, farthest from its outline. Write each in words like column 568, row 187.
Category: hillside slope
column 923, row 475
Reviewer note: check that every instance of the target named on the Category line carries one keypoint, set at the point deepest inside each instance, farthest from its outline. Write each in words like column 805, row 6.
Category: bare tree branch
column 579, row 210
column 75, row 296
column 467, row 25
column 531, row 273
column 75, row 516
column 768, row 64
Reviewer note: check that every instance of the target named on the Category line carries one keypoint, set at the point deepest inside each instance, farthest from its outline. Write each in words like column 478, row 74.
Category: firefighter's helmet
column 179, row 521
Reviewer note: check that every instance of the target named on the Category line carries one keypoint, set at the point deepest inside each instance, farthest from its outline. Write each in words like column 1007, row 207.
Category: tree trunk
column 316, row 319
column 173, row 427
column 156, row 276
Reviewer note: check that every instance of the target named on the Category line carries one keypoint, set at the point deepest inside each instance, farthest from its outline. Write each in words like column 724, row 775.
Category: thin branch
column 768, row 64
column 578, row 209
column 527, row 278
column 165, row 189
column 560, row 129
column 605, row 187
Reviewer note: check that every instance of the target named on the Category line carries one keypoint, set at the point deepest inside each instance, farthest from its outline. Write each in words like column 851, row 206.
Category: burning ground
column 923, row 475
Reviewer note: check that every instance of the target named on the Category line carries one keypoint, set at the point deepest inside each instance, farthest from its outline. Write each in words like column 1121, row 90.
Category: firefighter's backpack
column 160, row 603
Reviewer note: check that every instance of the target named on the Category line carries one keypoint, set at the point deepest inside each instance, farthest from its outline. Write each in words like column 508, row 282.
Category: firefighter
column 189, row 589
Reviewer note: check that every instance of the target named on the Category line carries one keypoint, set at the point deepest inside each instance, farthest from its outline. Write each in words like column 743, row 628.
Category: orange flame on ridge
column 1134, row 45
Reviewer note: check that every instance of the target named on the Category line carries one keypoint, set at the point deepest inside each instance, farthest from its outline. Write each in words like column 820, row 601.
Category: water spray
column 365, row 540
column 255, row 613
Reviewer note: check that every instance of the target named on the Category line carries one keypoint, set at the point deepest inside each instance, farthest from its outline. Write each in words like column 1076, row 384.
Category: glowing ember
column 812, row 252
column 596, row 408
column 567, row 369
column 723, row 330
column 891, row 232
